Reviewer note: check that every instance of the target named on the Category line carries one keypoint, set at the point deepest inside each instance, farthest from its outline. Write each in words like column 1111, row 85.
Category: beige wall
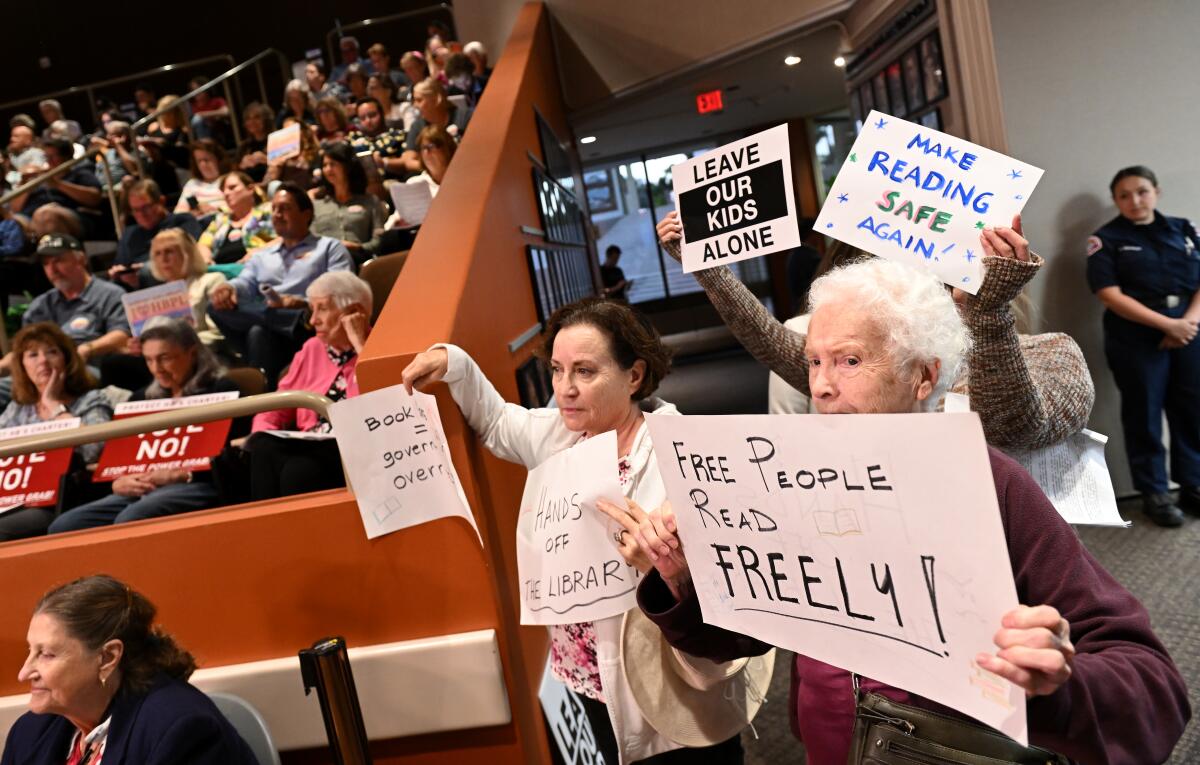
column 1088, row 87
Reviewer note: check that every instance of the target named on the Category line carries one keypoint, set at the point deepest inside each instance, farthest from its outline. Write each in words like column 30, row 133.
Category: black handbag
column 887, row 732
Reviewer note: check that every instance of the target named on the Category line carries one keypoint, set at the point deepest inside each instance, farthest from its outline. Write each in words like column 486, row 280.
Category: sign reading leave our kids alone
column 922, row 197
column 736, row 201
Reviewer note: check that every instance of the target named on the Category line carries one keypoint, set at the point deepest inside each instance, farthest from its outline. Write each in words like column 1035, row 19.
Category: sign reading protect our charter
column 919, row 196
column 187, row 447
column 869, row 542
column 736, row 202
column 31, row 480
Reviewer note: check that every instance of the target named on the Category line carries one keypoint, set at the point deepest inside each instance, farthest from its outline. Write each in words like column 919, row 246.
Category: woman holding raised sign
column 51, row 382
column 181, row 366
column 1145, row 268
column 607, row 362
column 886, row 338
column 1030, row 390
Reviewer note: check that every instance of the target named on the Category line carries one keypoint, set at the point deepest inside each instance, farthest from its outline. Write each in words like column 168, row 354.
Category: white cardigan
column 530, row 436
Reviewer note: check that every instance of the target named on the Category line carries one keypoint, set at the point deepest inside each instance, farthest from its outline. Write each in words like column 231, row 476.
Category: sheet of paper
column 567, row 557
column 411, row 201
column 170, row 299
column 1074, row 475
column 919, row 196
column 283, row 143
column 869, row 542
column 736, row 201
column 396, row 455
column 299, row 435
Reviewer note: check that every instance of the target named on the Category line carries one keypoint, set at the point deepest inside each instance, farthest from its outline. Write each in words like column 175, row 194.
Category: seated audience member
column 297, row 103
column 476, row 51
column 1082, row 649
column 616, row 286
column 460, row 73
column 52, row 112
column 210, row 113
column 22, row 153
column 170, row 133
column 88, row 310
column 341, row 314
column 150, row 216
column 438, row 28
column 300, row 169
column 436, row 150
column 50, row 381
column 356, row 84
column 107, row 680
column 316, row 76
column 251, row 157
column 384, row 145
column 332, row 122
column 62, row 129
column 231, row 235
column 174, row 255
column 117, row 152
column 415, row 70
column 62, row 198
column 181, row 366
column 435, row 56
column 395, row 109
column 435, row 108
column 343, row 209
column 350, row 56
column 145, row 100
column 261, row 311
column 201, row 195
column 381, row 64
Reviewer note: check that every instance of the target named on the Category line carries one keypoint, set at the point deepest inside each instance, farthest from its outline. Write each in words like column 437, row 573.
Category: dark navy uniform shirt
column 1148, row 262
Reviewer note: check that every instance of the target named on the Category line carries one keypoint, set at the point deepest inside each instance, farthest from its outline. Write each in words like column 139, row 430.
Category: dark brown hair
column 329, row 103
column 213, row 148
column 436, row 135
column 96, row 609
column 1135, row 171
column 77, row 379
column 631, row 337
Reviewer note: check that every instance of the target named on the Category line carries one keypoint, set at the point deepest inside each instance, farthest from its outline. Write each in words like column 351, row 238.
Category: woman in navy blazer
column 105, row 683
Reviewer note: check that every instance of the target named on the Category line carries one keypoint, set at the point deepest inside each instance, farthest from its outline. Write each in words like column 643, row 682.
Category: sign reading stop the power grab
column 31, row 480
column 187, row 447
column 736, row 202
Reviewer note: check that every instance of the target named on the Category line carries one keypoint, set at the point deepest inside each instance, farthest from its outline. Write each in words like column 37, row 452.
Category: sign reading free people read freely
column 922, row 197
column 567, row 557
column 395, row 453
column 869, row 542
column 736, row 201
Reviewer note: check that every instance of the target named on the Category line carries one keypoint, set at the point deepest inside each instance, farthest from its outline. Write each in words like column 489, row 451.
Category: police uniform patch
column 1094, row 245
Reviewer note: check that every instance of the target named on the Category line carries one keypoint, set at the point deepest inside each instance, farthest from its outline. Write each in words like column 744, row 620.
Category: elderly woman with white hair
column 341, row 305
column 885, row 338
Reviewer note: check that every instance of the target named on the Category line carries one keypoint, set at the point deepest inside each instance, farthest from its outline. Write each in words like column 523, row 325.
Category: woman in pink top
column 341, row 306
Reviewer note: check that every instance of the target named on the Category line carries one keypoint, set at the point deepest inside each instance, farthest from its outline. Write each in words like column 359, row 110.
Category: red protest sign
column 31, row 480
column 187, row 447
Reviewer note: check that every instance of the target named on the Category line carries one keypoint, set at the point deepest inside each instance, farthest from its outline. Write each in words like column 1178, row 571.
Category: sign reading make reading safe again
column 736, row 202
column 922, row 197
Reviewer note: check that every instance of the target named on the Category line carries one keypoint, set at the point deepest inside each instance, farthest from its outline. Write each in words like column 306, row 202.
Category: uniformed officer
column 1145, row 268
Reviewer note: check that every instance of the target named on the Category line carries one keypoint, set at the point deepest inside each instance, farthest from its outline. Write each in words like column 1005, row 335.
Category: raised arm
column 774, row 345
column 1029, row 393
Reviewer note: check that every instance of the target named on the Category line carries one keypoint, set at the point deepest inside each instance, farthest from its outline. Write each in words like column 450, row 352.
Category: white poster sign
column 919, row 196
column 567, row 557
column 399, row 466
column 736, row 202
column 869, row 542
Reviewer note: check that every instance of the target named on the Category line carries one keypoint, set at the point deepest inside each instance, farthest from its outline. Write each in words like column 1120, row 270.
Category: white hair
column 912, row 308
column 475, row 47
column 345, row 288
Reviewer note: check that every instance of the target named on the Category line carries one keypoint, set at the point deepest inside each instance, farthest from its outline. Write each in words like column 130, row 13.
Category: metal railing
column 341, row 30
column 62, row 169
column 90, row 89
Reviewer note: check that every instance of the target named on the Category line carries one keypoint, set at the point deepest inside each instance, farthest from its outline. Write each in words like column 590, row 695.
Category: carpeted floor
column 1160, row 566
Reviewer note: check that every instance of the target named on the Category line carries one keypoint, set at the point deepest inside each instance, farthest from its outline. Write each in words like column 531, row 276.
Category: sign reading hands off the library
column 919, row 196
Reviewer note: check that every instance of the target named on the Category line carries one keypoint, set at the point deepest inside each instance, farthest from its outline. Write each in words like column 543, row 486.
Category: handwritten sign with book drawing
column 922, row 197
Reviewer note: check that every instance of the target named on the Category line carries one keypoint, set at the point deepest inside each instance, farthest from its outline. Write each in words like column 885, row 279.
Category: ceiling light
column 839, row 61
column 792, row 60
column 588, row 139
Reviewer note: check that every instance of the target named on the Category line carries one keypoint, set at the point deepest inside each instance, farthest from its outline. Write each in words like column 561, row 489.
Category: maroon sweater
column 1125, row 701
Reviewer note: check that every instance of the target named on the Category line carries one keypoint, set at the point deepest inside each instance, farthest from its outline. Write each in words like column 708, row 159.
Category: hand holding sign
column 1036, row 652
column 648, row 539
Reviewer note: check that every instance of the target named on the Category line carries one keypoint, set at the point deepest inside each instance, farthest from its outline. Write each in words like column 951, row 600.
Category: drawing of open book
column 837, row 523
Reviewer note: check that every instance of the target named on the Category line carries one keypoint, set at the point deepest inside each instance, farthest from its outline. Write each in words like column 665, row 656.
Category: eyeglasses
column 143, row 209
column 430, row 146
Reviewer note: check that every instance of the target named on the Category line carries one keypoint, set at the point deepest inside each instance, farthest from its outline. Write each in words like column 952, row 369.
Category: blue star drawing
column 828, row 225
column 970, row 255
column 1019, row 196
column 843, row 198
column 881, row 123
column 1014, row 174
